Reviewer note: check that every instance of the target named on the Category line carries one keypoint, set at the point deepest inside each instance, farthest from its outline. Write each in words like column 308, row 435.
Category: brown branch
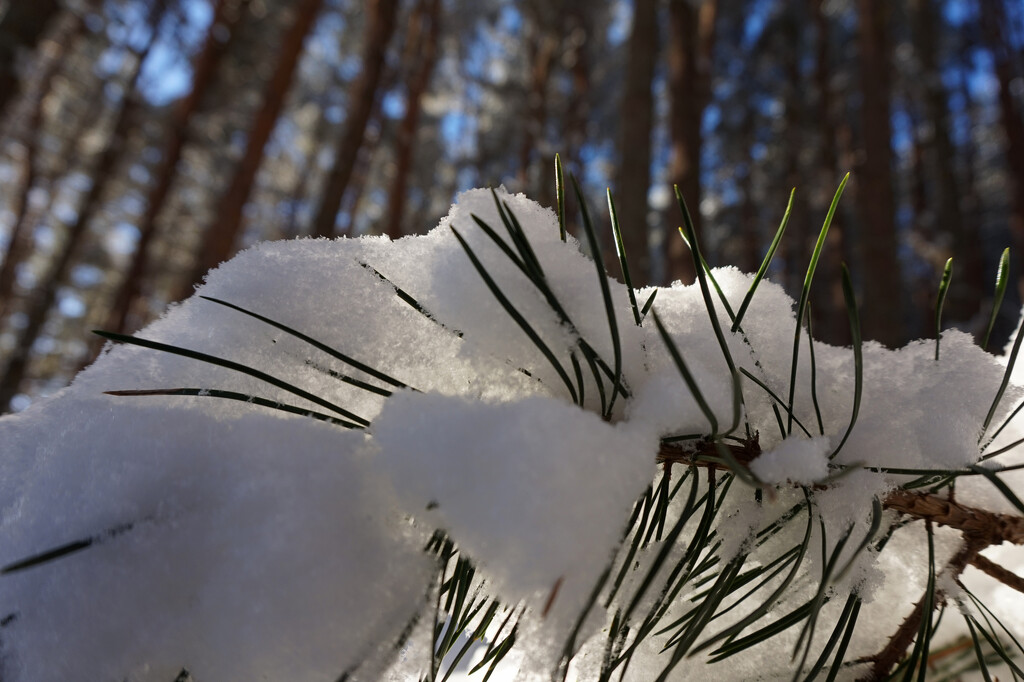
column 675, row 454
column 884, row 661
column 980, row 529
column 1003, row 575
column 976, row 524
column 988, row 527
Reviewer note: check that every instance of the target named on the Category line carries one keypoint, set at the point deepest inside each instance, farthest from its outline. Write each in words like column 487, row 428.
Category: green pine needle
column 613, row 327
column 235, row 366
column 858, row 355
column 765, row 263
column 805, row 294
column 699, row 267
column 1002, row 279
column 560, row 196
column 517, row 316
column 620, row 250
column 240, row 397
column 362, row 367
column 947, row 275
column 1005, row 382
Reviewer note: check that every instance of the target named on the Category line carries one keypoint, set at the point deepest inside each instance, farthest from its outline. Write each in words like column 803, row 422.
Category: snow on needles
column 244, row 542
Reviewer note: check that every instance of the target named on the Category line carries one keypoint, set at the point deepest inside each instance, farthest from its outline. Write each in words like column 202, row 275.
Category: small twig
column 744, row 453
column 884, row 661
column 1003, row 575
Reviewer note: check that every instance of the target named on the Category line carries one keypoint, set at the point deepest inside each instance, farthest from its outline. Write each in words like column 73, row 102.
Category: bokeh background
column 144, row 141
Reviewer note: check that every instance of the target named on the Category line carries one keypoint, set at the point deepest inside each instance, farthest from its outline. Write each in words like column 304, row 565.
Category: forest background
column 143, row 142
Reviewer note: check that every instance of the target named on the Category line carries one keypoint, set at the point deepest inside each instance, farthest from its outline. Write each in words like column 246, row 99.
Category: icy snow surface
column 243, row 543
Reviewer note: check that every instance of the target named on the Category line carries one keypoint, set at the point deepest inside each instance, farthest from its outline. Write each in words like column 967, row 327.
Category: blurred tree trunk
column 420, row 57
column 637, row 121
column 691, row 39
column 799, row 242
column 579, row 32
column 965, row 293
column 882, row 282
column 380, row 24
column 542, row 45
column 22, row 23
column 363, row 168
column 17, row 239
column 105, row 169
column 222, row 235
column 750, row 241
column 126, row 313
column 300, row 191
column 994, row 26
column 827, row 293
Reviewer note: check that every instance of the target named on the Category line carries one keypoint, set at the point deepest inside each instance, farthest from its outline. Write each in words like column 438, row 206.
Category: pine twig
column 1003, row 575
column 989, row 528
column 884, row 661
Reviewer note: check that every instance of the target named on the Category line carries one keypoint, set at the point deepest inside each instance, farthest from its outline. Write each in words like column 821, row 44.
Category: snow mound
column 271, row 524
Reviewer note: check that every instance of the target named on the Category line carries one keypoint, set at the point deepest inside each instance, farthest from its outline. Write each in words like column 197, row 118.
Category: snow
column 796, row 460
column 242, row 542
column 464, row 465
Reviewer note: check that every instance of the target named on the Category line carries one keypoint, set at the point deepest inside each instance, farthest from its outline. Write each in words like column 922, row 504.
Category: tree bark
column 422, row 55
column 21, row 27
column 542, row 46
column 827, row 293
column 691, row 39
column 46, row 295
column 993, row 22
column 799, row 241
column 943, row 201
column 222, row 235
column 579, row 31
column 17, row 236
column 637, row 119
column 380, row 24
column 749, row 252
column 124, row 314
column 882, row 281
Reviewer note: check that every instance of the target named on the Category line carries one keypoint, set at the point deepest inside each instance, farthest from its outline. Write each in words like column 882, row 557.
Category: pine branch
column 988, row 528
column 1003, row 575
column 885, row 660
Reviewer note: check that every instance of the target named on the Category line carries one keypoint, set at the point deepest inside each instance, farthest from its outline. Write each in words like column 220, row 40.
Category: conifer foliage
column 475, row 452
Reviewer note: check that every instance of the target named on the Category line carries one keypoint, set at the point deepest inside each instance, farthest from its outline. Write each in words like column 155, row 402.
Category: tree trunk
column 422, row 52
column 542, row 45
column 17, row 238
column 21, row 27
column 993, row 20
column 300, row 191
column 637, row 120
column 103, row 172
column 827, row 294
column 579, row 31
column 965, row 293
column 691, row 38
column 882, row 281
column 125, row 315
column 380, row 24
column 799, row 241
column 750, row 242
column 363, row 168
column 222, row 234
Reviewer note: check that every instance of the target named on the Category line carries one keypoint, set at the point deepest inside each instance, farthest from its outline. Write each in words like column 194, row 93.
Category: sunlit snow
column 242, row 542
